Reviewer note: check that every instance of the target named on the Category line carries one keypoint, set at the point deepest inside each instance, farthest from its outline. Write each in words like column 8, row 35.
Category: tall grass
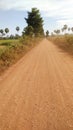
column 64, row 42
column 15, row 50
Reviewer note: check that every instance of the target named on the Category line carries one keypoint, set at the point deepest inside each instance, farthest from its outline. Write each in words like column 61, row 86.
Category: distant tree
column 6, row 30
column 34, row 23
column 68, row 29
column 12, row 36
column 16, row 36
column 17, row 28
column 2, row 32
column 72, row 29
column 65, row 27
column 47, row 33
column 62, row 30
column 57, row 31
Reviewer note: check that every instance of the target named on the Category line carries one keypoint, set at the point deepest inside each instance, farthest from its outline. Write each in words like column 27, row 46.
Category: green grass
column 8, row 42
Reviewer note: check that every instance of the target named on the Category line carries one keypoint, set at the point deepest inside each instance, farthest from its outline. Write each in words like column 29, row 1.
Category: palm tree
column 72, row 29
column 47, row 33
column 6, row 30
column 1, row 31
column 65, row 27
column 17, row 28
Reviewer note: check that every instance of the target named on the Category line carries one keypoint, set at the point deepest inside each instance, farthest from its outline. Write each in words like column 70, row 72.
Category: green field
column 8, row 42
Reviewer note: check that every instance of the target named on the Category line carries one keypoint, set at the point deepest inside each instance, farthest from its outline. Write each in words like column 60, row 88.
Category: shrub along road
column 37, row 92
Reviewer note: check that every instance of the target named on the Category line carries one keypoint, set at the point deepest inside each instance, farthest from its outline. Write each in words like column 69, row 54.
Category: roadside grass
column 8, row 42
column 64, row 42
column 14, row 50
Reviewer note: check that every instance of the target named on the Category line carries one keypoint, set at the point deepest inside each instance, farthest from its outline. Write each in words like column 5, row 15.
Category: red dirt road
column 37, row 92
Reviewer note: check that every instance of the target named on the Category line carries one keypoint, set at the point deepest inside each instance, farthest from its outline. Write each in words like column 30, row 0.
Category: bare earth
column 37, row 92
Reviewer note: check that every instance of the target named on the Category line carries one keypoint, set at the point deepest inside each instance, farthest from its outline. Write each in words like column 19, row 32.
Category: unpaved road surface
column 37, row 92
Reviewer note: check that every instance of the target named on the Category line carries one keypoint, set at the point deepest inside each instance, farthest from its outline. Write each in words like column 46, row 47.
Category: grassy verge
column 14, row 50
column 64, row 42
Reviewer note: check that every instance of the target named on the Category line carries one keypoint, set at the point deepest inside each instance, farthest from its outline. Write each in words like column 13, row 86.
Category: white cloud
column 66, row 21
column 61, row 10
column 51, row 7
column 22, row 4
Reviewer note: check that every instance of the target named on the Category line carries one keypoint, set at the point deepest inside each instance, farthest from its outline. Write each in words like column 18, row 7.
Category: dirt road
column 37, row 92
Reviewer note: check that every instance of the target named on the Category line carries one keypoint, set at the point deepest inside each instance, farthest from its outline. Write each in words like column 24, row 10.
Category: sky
column 55, row 13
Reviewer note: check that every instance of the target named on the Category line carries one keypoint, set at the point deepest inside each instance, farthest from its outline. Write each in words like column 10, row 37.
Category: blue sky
column 55, row 13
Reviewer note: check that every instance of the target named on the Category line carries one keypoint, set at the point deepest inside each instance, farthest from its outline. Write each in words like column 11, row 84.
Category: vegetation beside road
column 14, row 50
column 65, row 42
column 13, row 47
column 63, row 38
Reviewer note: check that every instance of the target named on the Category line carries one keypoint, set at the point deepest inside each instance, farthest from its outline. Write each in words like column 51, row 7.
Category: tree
column 57, row 31
column 62, row 30
column 12, row 36
column 17, row 28
column 35, row 21
column 17, row 36
column 6, row 30
column 47, row 33
column 69, row 29
column 1, row 31
column 72, row 29
column 28, row 31
column 65, row 27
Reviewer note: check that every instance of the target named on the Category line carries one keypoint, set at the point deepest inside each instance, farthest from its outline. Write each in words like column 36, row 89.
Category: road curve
column 37, row 92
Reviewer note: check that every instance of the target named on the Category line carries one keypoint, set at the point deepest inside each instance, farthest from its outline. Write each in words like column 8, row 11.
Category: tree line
column 64, row 30
column 5, row 31
column 34, row 26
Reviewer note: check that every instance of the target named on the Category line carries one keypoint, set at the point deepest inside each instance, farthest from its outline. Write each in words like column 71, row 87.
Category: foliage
column 1, row 31
column 65, row 42
column 28, row 31
column 35, row 22
column 57, row 31
column 72, row 29
column 65, row 27
column 47, row 33
column 14, row 50
column 6, row 30
column 17, row 28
